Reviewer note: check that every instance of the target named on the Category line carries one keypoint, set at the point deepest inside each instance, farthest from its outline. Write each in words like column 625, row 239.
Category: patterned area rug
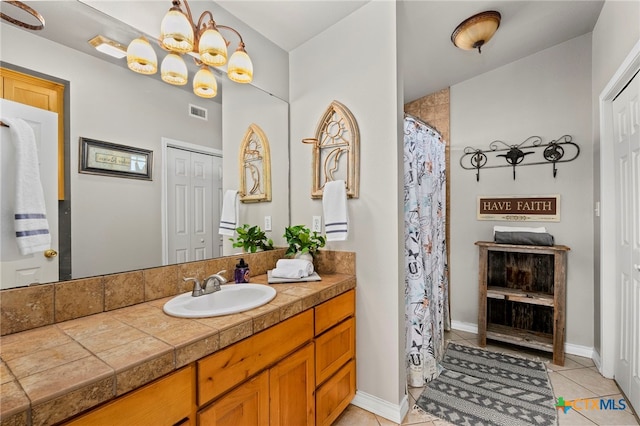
column 478, row 387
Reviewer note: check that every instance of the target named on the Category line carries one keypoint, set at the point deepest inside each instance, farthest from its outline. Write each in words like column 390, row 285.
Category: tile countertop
column 53, row 372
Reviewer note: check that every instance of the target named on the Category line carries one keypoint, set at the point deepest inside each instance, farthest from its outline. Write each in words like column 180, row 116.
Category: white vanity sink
column 231, row 299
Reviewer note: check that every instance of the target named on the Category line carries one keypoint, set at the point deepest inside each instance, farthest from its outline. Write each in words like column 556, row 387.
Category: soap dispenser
column 241, row 273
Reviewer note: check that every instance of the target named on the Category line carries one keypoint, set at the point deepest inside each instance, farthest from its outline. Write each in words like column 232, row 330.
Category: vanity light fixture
column 476, row 31
column 179, row 35
column 108, row 47
column 34, row 13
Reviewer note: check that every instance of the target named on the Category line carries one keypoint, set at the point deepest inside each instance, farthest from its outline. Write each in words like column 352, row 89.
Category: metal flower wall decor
column 526, row 153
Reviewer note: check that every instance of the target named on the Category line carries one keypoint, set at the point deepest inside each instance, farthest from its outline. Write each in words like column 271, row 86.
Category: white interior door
column 193, row 206
column 626, row 110
column 16, row 269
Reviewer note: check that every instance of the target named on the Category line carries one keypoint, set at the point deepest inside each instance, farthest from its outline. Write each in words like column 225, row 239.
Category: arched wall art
column 255, row 166
column 336, row 150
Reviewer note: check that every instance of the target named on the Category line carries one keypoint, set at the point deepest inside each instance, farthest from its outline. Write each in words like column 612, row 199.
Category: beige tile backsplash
column 36, row 306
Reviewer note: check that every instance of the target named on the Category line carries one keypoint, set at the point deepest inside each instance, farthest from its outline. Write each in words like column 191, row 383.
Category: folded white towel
column 32, row 227
column 518, row 229
column 292, row 268
column 334, row 205
column 229, row 215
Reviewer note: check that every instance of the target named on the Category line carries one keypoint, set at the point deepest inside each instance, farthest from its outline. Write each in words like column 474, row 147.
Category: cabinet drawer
column 227, row 368
column 335, row 310
column 334, row 348
column 335, row 395
column 165, row 402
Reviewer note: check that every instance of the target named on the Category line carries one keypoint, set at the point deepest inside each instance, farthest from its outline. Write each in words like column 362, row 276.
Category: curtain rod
column 413, row 117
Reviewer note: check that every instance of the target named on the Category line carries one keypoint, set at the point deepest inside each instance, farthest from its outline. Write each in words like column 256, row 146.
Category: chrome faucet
column 197, row 286
column 213, row 282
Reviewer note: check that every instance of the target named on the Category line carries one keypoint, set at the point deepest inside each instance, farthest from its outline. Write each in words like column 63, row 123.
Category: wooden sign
column 519, row 208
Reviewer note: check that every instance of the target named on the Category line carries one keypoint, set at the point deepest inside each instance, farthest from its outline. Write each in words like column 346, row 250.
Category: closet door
column 190, row 206
column 626, row 109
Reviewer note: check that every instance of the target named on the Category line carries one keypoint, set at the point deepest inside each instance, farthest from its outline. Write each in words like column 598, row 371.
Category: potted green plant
column 251, row 239
column 302, row 241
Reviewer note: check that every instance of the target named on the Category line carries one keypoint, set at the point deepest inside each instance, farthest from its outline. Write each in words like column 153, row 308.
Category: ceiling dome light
column 173, row 70
column 205, row 84
column 176, row 32
column 212, row 48
column 141, row 57
column 476, row 31
column 240, row 68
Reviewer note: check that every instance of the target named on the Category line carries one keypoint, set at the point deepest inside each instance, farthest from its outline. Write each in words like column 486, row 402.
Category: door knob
column 50, row 253
column 637, row 266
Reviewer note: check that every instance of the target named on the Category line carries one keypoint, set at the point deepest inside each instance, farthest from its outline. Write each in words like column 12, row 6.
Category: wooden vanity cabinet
column 279, row 396
column 300, row 371
column 282, row 394
column 305, row 370
column 335, row 356
column 167, row 401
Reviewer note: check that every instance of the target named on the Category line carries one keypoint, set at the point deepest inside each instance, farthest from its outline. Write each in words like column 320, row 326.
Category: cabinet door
column 334, row 396
column 292, row 389
column 248, row 405
column 165, row 402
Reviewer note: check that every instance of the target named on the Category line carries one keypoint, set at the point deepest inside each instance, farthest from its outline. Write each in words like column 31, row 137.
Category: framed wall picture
column 110, row 159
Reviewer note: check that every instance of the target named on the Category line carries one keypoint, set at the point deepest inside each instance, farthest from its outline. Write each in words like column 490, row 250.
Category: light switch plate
column 267, row 223
column 316, row 224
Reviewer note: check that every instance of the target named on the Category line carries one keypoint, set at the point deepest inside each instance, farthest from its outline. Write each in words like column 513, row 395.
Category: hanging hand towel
column 334, row 204
column 229, row 216
column 30, row 216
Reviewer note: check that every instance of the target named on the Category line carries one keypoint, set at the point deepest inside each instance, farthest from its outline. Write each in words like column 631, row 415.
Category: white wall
column 546, row 94
column 113, row 104
column 353, row 62
column 615, row 33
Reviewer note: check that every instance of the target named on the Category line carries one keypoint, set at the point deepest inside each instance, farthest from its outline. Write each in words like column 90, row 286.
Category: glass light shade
column 240, row 68
column 176, row 32
column 212, row 48
column 141, row 57
column 173, row 70
column 476, row 31
column 205, row 84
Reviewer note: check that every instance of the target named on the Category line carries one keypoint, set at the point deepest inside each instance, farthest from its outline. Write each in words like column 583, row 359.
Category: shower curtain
column 425, row 253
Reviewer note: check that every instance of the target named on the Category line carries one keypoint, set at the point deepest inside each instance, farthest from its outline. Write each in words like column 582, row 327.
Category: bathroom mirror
column 116, row 223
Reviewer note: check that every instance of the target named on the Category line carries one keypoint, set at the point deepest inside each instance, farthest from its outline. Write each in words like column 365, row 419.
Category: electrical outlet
column 316, row 224
column 267, row 223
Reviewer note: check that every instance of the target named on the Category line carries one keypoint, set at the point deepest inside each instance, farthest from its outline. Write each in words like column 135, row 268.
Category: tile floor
column 578, row 378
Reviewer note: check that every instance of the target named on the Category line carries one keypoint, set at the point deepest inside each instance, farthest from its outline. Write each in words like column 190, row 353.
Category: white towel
column 334, row 204
column 30, row 216
column 229, row 216
column 292, row 268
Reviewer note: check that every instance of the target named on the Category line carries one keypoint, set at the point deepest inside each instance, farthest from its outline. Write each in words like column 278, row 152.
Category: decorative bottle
column 241, row 273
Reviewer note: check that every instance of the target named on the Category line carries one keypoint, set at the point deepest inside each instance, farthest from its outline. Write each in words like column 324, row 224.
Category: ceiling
column 428, row 60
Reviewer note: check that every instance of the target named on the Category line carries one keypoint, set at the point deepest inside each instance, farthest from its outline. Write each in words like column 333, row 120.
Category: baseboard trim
column 569, row 348
column 380, row 407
